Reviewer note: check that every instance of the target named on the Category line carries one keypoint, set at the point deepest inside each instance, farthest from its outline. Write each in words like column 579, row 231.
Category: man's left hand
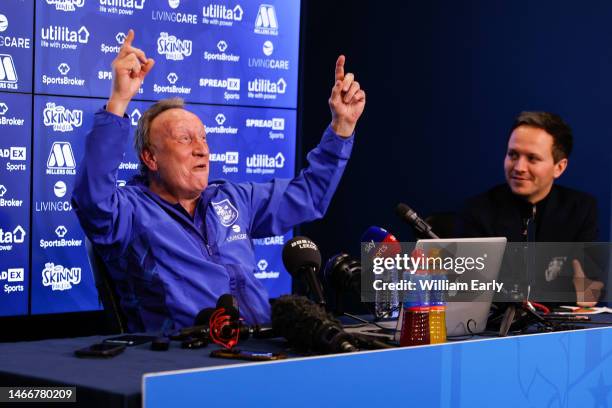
column 346, row 102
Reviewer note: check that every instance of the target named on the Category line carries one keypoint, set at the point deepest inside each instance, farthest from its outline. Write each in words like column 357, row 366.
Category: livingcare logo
column 221, row 15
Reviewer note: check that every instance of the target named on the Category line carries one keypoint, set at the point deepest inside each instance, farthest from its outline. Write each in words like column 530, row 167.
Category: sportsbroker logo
column 6, row 119
column 6, row 200
column 173, row 48
column 221, row 128
column 60, row 278
column 266, row 22
column 61, row 241
column 8, row 73
column 61, row 160
column 66, row 5
column 62, row 119
column 222, row 55
column 221, row 15
column 263, row 273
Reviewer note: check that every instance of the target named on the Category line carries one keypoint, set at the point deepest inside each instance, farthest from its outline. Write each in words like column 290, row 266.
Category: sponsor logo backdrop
column 235, row 63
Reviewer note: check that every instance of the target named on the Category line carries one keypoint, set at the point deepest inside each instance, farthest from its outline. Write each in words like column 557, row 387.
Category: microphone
column 302, row 259
column 308, row 327
column 408, row 215
column 383, row 244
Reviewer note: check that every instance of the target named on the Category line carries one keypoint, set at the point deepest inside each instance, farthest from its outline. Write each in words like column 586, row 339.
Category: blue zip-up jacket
column 166, row 265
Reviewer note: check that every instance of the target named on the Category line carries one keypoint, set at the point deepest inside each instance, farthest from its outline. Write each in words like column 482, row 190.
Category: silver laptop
column 468, row 317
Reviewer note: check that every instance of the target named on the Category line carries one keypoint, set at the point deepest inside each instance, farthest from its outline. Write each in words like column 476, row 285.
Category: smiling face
column 177, row 156
column 529, row 164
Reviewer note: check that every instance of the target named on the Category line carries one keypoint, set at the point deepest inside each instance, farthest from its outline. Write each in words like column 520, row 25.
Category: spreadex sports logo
column 61, row 160
column 9, row 41
column 14, row 153
column 230, row 161
column 231, row 86
column 266, row 22
column 10, row 237
column 174, row 16
column 59, row 277
column 264, row 164
column 66, row 5
column 62, row 119
column 63, row 69
column 221, row 128
column 12, row 275
column 263, row 273
column 8, row 73
column 5, row 201
column 277, row 125
column 221, row 15
column 173, row 48
column 6, row 120
column 260, row 88
column 62, row 37
column 121, row 7
column 222, row 55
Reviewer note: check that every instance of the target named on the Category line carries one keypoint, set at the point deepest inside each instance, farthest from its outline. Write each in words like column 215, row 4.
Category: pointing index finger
column 340, row 68
column 129, row 38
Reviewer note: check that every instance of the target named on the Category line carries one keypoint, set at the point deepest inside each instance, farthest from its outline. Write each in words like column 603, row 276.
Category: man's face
column 529, row 165
column 179, row 153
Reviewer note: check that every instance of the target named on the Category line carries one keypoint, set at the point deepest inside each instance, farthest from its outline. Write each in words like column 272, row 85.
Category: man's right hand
column 130, row 67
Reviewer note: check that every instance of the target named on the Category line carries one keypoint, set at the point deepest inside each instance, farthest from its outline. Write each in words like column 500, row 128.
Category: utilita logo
column 62, row 37
column 121, row 7
column 8, row 238
column 221, row 15
column 59, row 277
column 173, row 48
column 62, row 119
column 264, row 164
column 260, row 88
column 266, row 22
column 66, row 5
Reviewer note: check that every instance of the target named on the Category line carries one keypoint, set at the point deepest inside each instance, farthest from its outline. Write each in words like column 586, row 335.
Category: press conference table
column 571, row 368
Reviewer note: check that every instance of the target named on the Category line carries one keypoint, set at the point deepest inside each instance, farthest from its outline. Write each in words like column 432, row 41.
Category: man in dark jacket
column 531, row 208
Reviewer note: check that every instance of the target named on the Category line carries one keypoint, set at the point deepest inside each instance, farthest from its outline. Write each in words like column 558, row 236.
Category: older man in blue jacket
column 174, row 243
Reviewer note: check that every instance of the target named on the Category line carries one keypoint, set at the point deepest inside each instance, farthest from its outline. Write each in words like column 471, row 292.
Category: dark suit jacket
column 565, row 215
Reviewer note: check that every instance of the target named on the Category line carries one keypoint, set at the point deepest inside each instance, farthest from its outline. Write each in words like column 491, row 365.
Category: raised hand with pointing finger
column 130, row 67
column 346, row 102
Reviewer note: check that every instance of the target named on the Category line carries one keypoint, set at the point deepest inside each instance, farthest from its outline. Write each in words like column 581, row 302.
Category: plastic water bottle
column 437, row 311
column 415, row 323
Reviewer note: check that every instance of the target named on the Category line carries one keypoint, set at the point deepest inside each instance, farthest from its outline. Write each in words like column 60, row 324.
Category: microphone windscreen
column 203, row 318
column 402, row 210
column 229, row 304
column 300, row 252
